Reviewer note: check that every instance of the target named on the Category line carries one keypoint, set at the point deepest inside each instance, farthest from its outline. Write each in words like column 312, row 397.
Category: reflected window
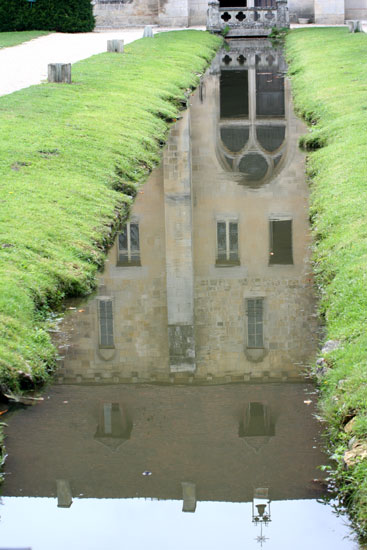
column 255, row 324
column 233, row 94
column 270, row 137
column 227, row 243
column 235, row 138
column 269, row 94
column 129, row 246
column 257, row 421
column 106, row 324
column 114, row 426
column 281, row 252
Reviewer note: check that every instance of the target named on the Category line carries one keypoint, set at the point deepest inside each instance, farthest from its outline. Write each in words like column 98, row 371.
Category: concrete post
column 64, row 496
column 59, row 72
column 353, row 25
column 148, row 32
column 115, row 45
column 188, row 496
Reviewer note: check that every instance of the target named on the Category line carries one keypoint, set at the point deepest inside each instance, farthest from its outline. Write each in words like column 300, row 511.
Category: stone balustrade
column 248, row 21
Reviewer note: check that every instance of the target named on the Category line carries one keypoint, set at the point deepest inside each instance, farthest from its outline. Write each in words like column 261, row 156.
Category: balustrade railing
column 247, row 21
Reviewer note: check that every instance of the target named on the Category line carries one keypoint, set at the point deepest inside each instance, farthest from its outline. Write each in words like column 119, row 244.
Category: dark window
column 114, row 426
column 227, row 243
column 255, row 337
column 257, row 421
column 129, row 246
column 269, row 94
column 233, row 3
column 106, row 324
column 233, row 94
column 281, row 242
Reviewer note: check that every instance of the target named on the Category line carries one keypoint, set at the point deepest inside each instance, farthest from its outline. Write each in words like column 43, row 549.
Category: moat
column 180, row 414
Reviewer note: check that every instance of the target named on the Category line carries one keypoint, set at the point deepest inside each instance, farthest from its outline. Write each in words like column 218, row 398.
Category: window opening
column 106, row 324
column 257, row 421
column 129, row 245
column 281, row 252
column 227, row 243
column 269, row 94
column 265, row 4
column 255, row 336
column 233, row 94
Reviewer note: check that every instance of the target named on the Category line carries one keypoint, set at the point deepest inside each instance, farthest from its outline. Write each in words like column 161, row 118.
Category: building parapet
column 247, row 21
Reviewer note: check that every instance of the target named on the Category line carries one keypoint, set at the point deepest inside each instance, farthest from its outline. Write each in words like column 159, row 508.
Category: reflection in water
column 208, row 284
column 253, row 118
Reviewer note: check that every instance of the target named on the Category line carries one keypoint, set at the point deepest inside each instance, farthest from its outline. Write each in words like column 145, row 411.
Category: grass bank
column 8, row 39
column 328, row 68
column 71, row 158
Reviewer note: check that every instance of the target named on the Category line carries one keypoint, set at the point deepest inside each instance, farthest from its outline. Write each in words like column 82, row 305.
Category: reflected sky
column 94, row 524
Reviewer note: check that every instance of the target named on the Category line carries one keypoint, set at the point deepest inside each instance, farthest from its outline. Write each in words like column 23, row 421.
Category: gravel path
column 24, row 65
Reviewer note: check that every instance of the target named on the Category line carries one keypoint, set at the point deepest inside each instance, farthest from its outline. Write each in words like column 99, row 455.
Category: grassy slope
column 14, row 38
column 66, row 152
column 329, row 77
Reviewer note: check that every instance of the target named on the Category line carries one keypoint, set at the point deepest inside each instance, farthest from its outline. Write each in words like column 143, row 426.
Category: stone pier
column 179, row 248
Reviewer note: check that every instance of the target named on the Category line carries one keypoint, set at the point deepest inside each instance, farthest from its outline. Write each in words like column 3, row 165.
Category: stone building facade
column 210, row 282
column 187, row 13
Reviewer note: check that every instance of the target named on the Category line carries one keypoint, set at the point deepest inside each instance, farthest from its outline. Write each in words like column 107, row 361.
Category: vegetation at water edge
column 72, row 157
column 328, row 67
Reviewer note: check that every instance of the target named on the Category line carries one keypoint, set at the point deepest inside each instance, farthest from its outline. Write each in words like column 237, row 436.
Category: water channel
column 180, row 416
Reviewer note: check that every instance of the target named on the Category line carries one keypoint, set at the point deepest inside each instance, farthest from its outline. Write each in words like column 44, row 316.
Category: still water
column 180, row 416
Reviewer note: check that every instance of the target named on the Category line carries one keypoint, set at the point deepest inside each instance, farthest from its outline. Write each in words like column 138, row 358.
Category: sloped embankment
column 71, row 157
column 328, row 68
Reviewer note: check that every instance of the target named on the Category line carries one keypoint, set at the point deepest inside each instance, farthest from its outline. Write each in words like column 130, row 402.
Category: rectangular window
column 255, row 336
column 227, row 243
column 265, row 4
column 233, row 94
column 281, row 252
column 269, row 94
column 257, row 421
column 106, row 324
column 129, row 246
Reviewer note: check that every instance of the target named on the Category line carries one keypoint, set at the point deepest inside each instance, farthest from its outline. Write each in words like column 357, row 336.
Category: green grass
column 8, row 39
column 329, row 79
column 67, row 155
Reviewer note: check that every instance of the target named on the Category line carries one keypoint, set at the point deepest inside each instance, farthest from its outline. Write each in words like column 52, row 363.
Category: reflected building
column 208, row 284
column 204, row 443
column 210, row 281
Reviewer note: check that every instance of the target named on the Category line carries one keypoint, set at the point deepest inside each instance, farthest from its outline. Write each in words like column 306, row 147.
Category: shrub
column 49, row 15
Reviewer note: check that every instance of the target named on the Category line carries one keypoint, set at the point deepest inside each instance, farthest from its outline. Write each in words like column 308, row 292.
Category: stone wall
column 355, row 9
column 126, row 14
column 329, row 12
column 300, row 8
